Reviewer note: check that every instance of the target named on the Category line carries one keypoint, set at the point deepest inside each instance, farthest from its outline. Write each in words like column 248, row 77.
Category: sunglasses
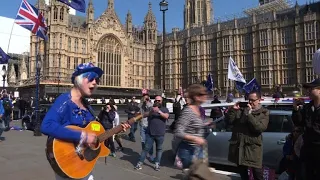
column 157, row 100
column 202, row 94
column 91, row 76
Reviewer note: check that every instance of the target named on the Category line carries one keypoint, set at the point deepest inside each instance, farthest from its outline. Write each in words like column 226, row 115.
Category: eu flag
column 4, row 58
column 239, row 86
column 253, row 85
column 209, row 83
column 79, row 5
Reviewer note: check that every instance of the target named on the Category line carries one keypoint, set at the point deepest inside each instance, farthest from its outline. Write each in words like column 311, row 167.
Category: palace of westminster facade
column 274, row 45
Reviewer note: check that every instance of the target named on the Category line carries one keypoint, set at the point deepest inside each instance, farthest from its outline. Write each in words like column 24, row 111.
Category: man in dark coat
column 308, row 116
column 245, row 147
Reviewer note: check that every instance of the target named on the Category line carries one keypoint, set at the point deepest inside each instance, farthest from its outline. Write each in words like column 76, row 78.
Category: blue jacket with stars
column 62, row 113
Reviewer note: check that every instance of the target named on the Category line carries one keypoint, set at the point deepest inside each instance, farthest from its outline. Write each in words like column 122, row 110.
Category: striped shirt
column 189, row 123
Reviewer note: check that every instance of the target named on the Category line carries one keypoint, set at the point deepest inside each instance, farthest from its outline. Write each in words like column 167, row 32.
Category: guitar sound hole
column 88, row 153
column 91, row 154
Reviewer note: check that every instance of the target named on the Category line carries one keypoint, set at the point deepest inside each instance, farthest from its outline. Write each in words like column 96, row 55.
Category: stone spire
column 12, row 74
column 150, row 16
column 111, row 4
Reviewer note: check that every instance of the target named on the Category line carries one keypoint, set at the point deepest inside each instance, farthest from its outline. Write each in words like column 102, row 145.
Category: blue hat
column 86, row 67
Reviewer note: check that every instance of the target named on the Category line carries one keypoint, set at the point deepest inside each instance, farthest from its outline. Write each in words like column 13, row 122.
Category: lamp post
column 4, row 74
column 36, row 131
column 163, row 7
column 59, row 56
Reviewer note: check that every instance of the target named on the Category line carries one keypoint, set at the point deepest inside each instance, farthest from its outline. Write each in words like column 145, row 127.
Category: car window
column 287, row 125
column 279, row 123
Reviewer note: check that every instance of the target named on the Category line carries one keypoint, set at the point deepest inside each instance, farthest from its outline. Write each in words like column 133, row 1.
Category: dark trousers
column 110, row 144
column 311, row 159
column 133, row 130
column 118, row 140
column 257, row 173
column 22, row 112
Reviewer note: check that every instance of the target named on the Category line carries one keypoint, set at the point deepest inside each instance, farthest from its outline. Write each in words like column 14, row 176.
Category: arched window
column 53, row 40
column 76, row 45
column 60, row 41
column 109, row 59
column 61, row 13
column 69, row 44
column 55, row 13
column 84, row 47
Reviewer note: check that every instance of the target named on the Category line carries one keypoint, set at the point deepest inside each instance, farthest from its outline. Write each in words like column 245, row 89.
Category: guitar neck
column 117, row 129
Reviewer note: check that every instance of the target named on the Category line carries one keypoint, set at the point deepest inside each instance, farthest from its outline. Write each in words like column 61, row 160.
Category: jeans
column 143, row 139
column 186, row 152
column 149, row 143
column 2, row 127
column 133, row 130
column 6, row 118
column 110, row 144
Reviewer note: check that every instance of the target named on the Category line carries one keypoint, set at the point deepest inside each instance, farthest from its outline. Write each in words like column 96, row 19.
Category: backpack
column 7, row 106
column 177, row 106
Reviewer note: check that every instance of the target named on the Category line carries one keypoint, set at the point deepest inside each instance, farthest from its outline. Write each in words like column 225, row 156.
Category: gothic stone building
column 274, row 43
column 124, row 52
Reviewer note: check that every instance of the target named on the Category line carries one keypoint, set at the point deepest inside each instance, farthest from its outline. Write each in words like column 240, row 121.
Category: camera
column 157, row 104
column 243, row 104
column 299, row 101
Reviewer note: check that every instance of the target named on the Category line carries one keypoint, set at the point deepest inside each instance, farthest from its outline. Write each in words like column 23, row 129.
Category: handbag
column 199, row 169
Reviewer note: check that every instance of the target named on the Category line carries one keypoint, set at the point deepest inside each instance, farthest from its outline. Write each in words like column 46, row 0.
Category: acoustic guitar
column 74, row 160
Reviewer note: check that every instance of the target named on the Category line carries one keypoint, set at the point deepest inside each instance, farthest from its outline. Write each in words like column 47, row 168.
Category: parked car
column 280, row 125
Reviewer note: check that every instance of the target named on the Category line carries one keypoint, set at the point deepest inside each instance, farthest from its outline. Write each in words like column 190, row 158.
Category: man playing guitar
column 71, row 109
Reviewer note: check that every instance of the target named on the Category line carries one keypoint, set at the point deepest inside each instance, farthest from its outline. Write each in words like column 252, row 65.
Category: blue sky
column 139, row 8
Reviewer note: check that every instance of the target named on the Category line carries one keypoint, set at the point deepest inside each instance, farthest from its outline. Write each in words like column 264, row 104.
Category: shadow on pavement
column 130, row 155
column 167, row 159
column 178, row 176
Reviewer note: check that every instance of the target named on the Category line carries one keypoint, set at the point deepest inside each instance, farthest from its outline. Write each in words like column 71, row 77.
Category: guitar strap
column 87, row 105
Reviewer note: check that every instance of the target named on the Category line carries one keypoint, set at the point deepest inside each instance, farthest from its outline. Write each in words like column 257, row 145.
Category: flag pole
column 37, row 126
column 12, row 29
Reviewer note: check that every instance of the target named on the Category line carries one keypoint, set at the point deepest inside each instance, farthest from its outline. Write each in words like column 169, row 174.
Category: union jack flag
column 31, row 18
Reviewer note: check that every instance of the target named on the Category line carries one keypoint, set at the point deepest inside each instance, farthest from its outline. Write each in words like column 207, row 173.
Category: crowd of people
column 246, row 122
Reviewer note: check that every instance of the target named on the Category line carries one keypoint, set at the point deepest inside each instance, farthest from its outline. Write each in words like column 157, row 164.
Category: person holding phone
column 106, row 117
column 248, row 121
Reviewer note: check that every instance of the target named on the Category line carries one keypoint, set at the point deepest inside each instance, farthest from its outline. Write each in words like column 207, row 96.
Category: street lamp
column 163, row 7
column 4, row 74
column 36, row 131
column 59, row 56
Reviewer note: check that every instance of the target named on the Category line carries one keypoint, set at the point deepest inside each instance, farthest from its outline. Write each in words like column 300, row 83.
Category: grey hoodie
column 145, row 107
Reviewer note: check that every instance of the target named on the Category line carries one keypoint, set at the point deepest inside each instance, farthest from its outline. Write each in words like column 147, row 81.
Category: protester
column 145, row 107
column 190, row 126
column 307, row 116
column 132, row 109
column 71, row 108
column 106, row 117
column 157, row 119
column 248, row 124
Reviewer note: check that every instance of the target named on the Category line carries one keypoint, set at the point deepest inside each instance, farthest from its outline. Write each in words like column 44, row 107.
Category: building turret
column 90, row 14
column 150, row 26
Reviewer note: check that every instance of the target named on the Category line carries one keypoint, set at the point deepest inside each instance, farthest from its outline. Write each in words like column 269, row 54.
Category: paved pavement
column 22, row 157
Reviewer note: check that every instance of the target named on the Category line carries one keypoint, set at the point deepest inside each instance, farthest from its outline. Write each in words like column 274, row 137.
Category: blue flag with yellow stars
column 79, row 5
